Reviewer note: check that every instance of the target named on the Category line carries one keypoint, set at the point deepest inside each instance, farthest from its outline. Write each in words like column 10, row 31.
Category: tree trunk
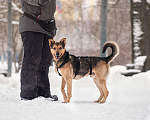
column 147, row 36
column 140, row 30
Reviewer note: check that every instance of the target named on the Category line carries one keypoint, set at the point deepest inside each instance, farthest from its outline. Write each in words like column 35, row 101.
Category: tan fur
column 99, row 74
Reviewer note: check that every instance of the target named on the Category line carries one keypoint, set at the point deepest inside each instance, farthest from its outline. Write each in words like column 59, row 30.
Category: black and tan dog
column 71, row 67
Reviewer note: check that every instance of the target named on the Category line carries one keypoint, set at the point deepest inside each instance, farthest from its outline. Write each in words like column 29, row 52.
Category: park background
column 80, row 22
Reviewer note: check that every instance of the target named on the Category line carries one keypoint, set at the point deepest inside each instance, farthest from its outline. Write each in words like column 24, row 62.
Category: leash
column 31, row 17
column 48, row 25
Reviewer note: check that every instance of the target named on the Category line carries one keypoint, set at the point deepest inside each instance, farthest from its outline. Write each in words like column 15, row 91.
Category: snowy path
column 129, row 99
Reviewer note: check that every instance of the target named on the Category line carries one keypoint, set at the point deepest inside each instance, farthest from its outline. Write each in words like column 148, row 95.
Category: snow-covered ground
column 129, row 99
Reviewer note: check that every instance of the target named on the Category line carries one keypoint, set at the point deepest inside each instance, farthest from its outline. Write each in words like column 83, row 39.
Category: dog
column 71, row 67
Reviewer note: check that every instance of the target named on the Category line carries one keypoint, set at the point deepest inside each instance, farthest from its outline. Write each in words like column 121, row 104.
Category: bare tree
column 140, row 30
column 119, row 29
column 79, row 21
column 17, row 44
column 80, row 28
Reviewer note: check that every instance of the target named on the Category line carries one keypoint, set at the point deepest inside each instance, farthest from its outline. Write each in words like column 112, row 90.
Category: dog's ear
column 63, row 41
column 51, row 42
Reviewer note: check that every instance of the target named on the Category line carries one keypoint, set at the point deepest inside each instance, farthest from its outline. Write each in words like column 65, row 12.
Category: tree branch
column 16, row 8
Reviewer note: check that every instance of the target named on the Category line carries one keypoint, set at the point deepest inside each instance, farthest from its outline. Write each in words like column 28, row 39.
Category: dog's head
column 57, row 48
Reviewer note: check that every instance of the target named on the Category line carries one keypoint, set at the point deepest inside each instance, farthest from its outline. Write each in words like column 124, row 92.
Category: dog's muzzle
column 57, row 55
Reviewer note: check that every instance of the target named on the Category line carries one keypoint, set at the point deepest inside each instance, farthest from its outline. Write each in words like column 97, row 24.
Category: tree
column 140, row 18
column 17, row 48
column 119, row 29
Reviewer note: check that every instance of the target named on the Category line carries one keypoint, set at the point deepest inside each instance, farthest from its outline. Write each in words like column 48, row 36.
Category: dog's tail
column 115, row 50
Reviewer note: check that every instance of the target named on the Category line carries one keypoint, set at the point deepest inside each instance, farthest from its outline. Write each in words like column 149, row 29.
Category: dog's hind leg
column 104, row 89
column 100, row 89
column 63, row 89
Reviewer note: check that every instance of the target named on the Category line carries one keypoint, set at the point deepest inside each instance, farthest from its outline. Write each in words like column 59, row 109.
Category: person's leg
column 32, row 42
column 43, row 69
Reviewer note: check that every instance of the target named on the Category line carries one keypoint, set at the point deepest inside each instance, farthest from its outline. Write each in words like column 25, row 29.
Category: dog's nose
column 57, row 53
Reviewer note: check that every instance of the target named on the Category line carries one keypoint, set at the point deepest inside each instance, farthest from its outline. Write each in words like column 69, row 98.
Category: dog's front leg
column 63, row 90
column 69, row 90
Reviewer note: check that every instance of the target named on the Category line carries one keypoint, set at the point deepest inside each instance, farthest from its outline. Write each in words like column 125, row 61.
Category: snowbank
column 129, row 99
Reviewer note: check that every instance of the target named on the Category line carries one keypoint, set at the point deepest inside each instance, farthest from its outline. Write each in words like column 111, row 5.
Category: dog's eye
column 54, row 48
column 60, row 48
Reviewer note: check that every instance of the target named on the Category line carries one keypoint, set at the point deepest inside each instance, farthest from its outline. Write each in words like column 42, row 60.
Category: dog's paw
column 64, row 102
column 101, row 102
column 97, row 101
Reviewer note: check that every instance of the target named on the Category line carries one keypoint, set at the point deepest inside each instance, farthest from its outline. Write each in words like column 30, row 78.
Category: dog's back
column 83, row 65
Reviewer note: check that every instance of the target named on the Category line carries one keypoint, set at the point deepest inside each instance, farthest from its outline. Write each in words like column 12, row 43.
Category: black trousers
column 35, row 66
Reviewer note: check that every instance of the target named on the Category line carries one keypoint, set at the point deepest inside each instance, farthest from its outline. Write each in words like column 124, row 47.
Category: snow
column 135, row 12
column 3, row 66
column 137, row 28
column 131, row 71
column 15, row 7
column 128, row 99
column 137, row 66
column 148, row 1
column 139, row 61
column 137, row 32
column 136, row 0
